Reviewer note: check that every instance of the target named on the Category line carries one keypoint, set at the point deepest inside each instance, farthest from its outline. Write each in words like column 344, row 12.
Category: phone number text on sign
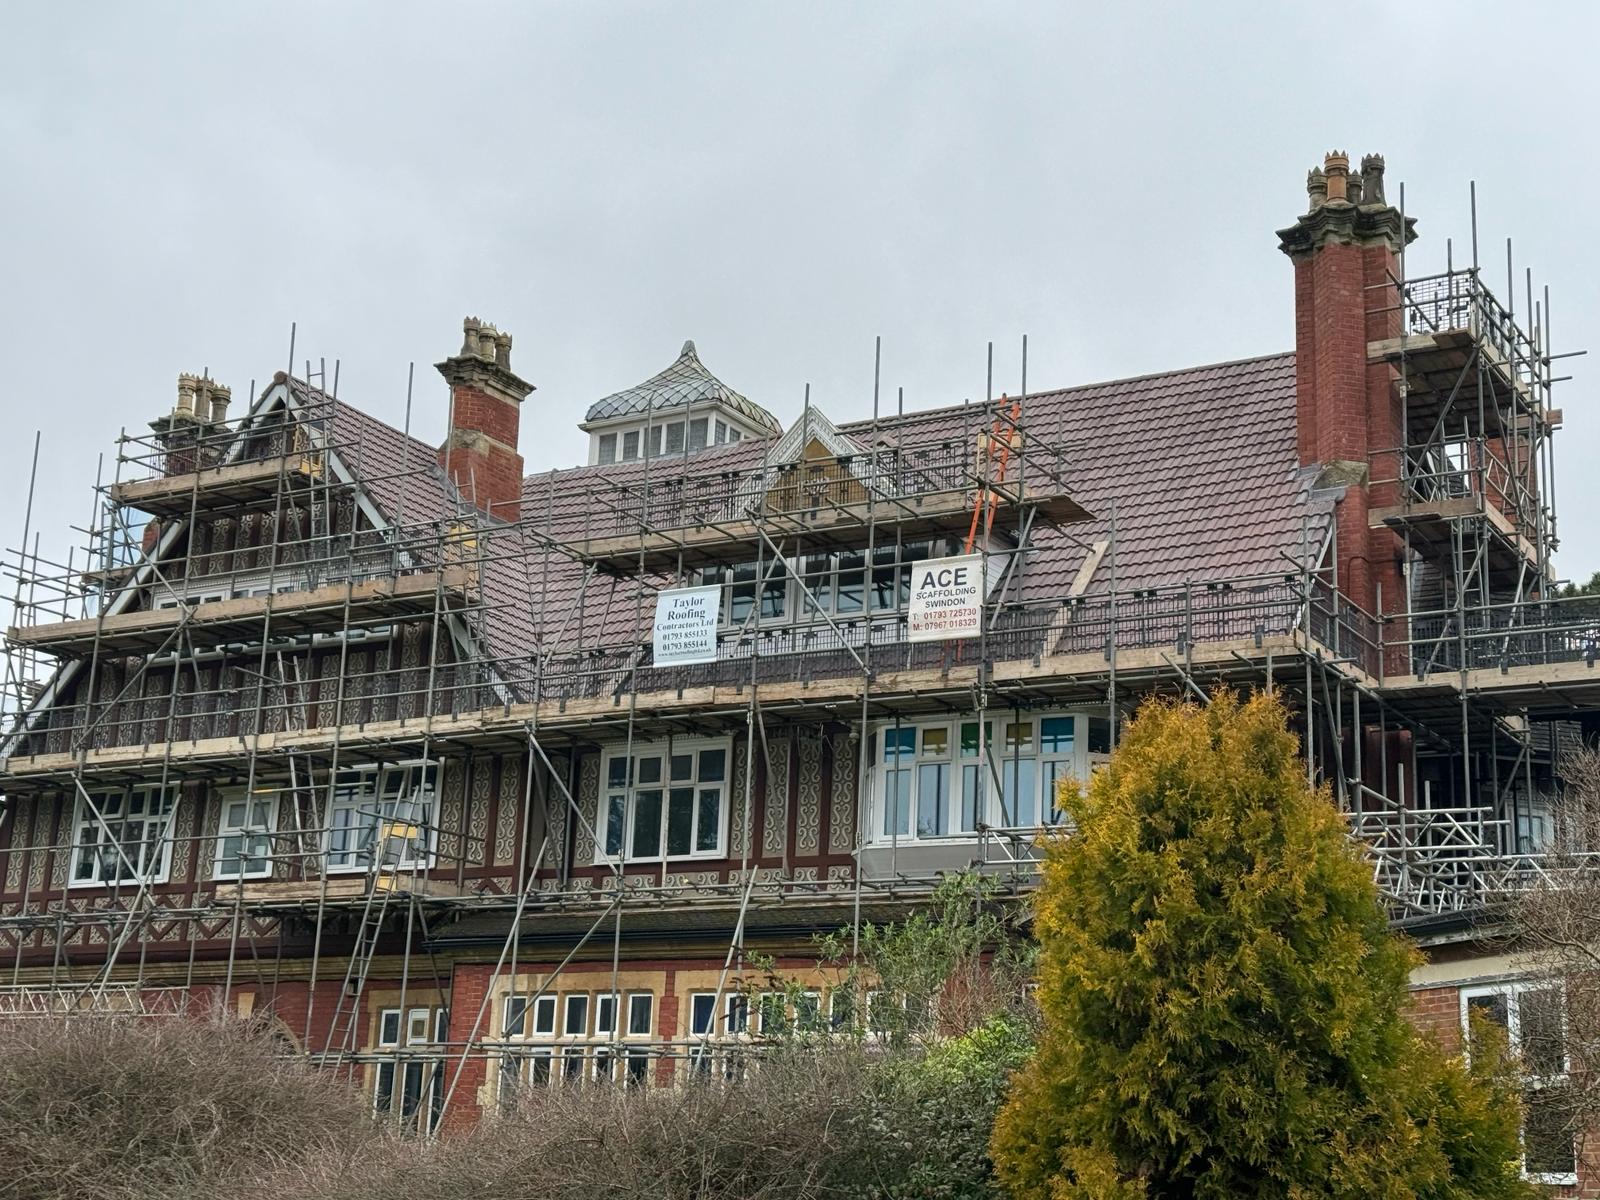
column 946, row 599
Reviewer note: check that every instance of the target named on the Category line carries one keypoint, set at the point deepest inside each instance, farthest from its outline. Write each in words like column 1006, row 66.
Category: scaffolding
column 400, row 700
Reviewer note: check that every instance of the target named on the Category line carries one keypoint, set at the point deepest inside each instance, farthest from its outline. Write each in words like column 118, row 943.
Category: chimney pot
column 469, row 337
column 1352, row 188
column 502, row 350
column 1372, row 179
column 220, row 396
column 1337, row 168
column 1317, row 187
column 188, row 386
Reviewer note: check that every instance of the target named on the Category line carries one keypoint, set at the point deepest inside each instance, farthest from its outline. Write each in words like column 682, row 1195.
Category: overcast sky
column 780, row 183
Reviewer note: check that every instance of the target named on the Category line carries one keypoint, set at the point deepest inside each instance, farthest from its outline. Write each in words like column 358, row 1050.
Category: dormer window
column 840, row 583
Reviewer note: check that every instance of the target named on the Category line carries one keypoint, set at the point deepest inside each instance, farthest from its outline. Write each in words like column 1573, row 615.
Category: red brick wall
column 1346, row 409
column 489, row 476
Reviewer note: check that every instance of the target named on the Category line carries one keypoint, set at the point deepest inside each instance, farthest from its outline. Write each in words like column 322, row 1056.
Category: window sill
column 107, row 885
column 718, row 855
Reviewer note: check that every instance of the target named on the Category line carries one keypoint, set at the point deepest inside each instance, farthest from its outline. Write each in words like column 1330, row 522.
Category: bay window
column 671, row 801
column 382, row 813
column 937, row 779
column 129, row 841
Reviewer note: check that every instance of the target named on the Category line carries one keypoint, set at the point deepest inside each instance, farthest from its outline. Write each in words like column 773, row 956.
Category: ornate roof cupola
column 682, row 409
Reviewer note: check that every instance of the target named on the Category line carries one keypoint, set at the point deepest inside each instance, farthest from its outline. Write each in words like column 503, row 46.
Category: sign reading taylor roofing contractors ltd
column 946, row 599
column 686, row 626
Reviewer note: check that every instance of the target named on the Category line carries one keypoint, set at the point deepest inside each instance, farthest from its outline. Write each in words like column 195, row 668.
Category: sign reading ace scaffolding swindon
column 686, row 626
column 946, row 599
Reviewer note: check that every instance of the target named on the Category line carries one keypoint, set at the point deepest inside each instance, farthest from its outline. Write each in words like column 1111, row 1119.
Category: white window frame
column 431, row 1022
column 649, row 999
column 1077, row 762
column 627, row 795
column 248, row 834
column 86, row 826
column 1510, row 990
column 568, row 1001
column 710, row 1031
column 360, row 805
column 605, row 1027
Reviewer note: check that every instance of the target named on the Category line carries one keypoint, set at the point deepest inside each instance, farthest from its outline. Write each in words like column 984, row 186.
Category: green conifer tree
column 1223, row 1001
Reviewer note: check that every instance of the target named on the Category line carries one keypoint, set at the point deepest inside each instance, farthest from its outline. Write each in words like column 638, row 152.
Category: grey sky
column 179, row 183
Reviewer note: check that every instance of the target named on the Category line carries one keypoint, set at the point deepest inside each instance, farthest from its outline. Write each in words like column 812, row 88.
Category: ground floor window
column 576, row 1039
column 123, row 835
column 1532, row 1014
column 382, row 816
column 409, row 1087
column 671, row 801
column 946, row 778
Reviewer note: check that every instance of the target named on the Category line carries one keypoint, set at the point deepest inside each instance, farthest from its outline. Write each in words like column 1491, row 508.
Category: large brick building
column 371, row 735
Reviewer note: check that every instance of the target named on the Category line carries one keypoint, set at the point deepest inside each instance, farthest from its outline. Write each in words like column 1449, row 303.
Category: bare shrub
column 1554, row 927
column 121, row 1107
column 787, row 1131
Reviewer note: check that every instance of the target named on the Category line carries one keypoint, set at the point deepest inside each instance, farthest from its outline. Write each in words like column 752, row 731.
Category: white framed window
column 808, row 1012
column 936, row 779
column 605, row 1015
column 607, row 452
column 129, row 842
column 636, row 1068
column 736, row 1013
column 702, row 1009
column 516, row 1022
column 523, row 1068
column 641, row 1006
column 409, row 1090
column 575, row 1022
column 244, row 834
column 573, row 1065
column 772, row 1014
column 672, row 804
column 382, row 816
column 841, row 583
column 742, row 583
column 1533, row 1015
column 630, row 445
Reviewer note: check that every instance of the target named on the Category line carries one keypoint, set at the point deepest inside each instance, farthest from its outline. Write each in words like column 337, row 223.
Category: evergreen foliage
column 1223, row 1001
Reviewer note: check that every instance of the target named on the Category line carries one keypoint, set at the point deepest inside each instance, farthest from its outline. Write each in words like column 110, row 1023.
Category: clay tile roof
column 1201, row 465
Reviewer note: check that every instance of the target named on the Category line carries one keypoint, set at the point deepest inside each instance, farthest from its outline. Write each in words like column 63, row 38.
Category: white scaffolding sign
column 946, row 599
column 686, row 626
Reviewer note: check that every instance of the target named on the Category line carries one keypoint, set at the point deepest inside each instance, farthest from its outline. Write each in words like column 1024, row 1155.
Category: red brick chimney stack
column 1345, row 250
column 480, row 452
